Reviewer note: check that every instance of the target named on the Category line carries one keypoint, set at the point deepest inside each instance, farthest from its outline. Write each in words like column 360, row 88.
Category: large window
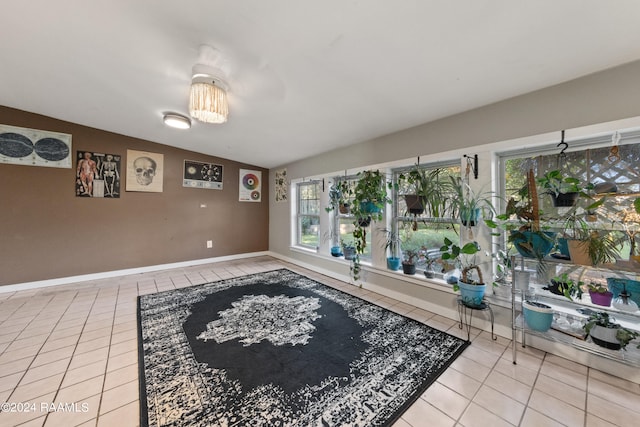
column 425, row 231
column 308, row 215
column 607, row 173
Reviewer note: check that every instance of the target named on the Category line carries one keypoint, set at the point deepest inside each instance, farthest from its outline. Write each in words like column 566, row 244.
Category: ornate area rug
column 280, row 349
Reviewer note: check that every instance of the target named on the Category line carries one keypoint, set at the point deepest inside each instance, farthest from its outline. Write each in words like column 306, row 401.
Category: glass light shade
column 177, row 121
column 208, row 103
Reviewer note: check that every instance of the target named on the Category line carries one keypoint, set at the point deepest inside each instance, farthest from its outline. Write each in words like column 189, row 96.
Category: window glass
column 308, row 215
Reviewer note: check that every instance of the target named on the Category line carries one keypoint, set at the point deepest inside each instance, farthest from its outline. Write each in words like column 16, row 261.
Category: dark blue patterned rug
column 280, row 349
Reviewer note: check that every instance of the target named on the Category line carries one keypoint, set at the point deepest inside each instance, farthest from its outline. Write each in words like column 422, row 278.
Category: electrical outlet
column 209, row 244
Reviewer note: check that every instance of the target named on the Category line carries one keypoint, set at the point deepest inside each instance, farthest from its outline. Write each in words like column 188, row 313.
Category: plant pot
column 364, row 221
column 538, row 316
column 617, row 285
column 344, row 209
column 579, row 252
column 415, row 204
column 336, row 251
column 393, row 263
column 605, row 337
column 472, row 295
column 532, row 244
column 369, row 208
column 429, row 274
column 349, row 252
column 469, row 216
column 556, row 287
column 599, row 298
column 563, row 247
column 565, row 199
column 408, row 268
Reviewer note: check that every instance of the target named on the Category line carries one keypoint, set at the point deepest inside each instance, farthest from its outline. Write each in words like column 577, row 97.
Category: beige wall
column 47, row 232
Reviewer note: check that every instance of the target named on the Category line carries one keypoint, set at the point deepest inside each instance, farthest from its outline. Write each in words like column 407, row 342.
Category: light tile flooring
column 78, row 344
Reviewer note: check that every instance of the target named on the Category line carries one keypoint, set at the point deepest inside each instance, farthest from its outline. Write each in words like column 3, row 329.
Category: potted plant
column 564, row 190
column 599, row 294
column 606, row 333
column 349, row 250
column 393, row 244
column 631, row 223
column 409, row 261
column 471, row 290
column 521, row 219
column 369, row 199
column 538, row 316
column 588, row 246
column 332, row 236
column 565, row 286
column 470, row 205
column 429, row 272
column 430, row 192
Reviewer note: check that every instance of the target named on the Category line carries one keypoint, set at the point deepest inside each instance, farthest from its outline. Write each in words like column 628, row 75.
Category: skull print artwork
column 145, row 168
column 144, row 171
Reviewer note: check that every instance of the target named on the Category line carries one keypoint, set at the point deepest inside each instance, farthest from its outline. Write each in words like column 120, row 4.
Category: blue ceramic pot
column 532, row 244
column 538, row 316
column 393, row 263
column 472, row 295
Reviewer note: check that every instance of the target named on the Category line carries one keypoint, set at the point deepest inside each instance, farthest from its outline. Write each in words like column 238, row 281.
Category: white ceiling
column 305, row 76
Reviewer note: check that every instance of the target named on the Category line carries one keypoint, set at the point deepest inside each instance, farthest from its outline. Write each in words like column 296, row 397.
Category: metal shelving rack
column 630, row 356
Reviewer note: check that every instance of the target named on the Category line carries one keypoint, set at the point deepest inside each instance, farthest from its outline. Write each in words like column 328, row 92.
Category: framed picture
column 250, row 188
column 281, row 185
column 144, row 171
column 202, row 175
column 33, row 147
column 97, row 174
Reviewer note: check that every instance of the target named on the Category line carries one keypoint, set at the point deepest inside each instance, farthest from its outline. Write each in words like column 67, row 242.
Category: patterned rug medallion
column 280, row 349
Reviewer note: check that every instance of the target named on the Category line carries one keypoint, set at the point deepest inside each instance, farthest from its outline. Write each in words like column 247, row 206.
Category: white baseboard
column 125, row 272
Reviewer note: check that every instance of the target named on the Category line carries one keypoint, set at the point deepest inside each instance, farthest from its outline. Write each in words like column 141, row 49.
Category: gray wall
column 606, row 96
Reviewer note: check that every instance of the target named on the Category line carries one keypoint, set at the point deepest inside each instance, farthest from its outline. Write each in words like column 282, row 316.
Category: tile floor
column 77, row 345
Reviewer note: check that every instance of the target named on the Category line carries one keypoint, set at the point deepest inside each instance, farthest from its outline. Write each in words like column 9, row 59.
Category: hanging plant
column 369, row 199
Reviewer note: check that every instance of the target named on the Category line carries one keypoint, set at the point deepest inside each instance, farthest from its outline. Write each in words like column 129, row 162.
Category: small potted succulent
column 409, row 261
column 599, row 294
column 606, row 333
column 429, row 272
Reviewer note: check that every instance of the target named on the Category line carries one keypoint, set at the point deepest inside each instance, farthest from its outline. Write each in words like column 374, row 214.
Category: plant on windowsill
column 606, row 333
column 392, row 243
column 409, row 261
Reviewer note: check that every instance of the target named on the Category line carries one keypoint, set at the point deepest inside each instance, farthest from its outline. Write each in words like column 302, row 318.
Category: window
column 612, row 170
column 344, row 220
column 426, row 230
column 308, row 214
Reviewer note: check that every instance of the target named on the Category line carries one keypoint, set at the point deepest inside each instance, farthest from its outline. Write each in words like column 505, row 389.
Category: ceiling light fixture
column 208, row 95
column 177, row 121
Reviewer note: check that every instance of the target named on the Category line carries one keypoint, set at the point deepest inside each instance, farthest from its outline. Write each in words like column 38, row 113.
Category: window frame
column 299, row 215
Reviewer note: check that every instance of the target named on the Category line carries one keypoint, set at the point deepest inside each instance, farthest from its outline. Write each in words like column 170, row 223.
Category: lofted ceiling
column 305, row 76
